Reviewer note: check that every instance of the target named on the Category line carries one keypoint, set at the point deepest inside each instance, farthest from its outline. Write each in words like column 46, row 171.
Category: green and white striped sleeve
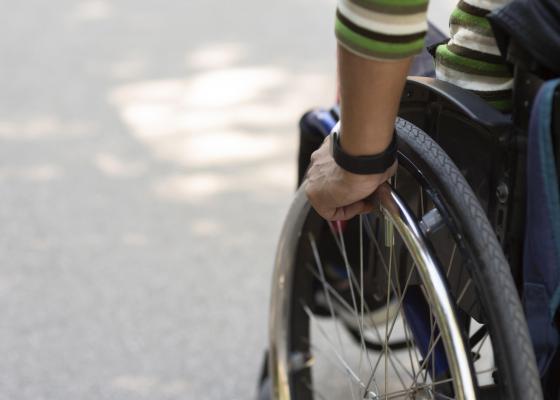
column 471, row 58
column 382, row 29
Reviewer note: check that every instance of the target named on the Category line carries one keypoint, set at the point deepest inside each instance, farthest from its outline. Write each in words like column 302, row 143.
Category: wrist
column 367, row 143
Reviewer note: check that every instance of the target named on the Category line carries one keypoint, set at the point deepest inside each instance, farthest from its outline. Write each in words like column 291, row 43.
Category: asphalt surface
column 147, row 159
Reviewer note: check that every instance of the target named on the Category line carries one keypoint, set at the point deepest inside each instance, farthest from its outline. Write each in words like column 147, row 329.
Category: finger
column 350, row 211
column 317, row 202
column 368, row 207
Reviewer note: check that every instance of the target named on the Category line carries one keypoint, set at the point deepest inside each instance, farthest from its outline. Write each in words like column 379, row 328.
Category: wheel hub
column 422, row 394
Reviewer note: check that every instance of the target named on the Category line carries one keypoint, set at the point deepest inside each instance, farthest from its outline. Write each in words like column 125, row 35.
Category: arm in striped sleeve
column 369, row 32
column 382, row 29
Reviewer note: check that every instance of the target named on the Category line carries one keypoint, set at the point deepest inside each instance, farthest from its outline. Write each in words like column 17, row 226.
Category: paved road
column 146, row 162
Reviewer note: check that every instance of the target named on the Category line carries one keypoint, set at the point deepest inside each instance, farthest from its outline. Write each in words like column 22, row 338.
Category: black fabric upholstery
column 534, row 25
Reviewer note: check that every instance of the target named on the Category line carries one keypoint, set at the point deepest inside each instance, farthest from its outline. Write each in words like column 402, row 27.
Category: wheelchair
column 421, row 298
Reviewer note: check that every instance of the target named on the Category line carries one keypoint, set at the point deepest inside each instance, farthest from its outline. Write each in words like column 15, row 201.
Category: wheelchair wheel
column 414, row 301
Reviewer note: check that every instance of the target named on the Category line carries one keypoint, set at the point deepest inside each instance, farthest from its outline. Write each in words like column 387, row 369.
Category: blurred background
column 147, row 159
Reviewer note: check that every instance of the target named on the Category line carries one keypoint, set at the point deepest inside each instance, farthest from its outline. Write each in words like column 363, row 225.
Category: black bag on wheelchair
column 541, row 266
column 533, row 26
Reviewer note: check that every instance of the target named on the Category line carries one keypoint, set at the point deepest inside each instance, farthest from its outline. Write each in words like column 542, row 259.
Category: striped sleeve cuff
column 382, row 29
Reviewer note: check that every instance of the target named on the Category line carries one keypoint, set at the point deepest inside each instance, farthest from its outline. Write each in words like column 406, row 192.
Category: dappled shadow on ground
column 147, row 160
column 228, row 129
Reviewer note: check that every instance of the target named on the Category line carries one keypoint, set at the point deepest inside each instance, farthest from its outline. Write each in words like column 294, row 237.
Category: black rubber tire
column 501, row 310
column 514, row 352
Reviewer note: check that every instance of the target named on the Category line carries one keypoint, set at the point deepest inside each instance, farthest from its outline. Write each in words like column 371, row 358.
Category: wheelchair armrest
column 429, row 91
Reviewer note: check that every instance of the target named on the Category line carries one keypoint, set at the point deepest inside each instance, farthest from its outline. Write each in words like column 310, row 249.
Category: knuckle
column 311, row 194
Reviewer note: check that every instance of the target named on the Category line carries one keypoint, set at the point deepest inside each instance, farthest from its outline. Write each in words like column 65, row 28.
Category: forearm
column 370, row 92
column 377, row 39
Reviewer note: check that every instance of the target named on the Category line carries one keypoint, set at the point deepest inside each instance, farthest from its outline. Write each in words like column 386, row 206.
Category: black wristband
column 363, row 165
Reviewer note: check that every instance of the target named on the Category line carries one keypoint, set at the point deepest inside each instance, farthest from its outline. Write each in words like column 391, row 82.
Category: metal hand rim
column 394, row 209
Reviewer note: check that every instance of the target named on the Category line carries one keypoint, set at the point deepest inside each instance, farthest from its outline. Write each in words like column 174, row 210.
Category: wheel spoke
column 399, row 308
column 347, row 306
column 349, row 371
column 329, row 302
column 477, row 352
column 387, row 313
column 401, row 296
column 362, row 300
column 487, row 371
column 399, row 393
column 352, row 282
column 451, row 258
column 421, row 201
column 407, row 333
column 349, row 272
column 389, row 330
column 435, row 342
